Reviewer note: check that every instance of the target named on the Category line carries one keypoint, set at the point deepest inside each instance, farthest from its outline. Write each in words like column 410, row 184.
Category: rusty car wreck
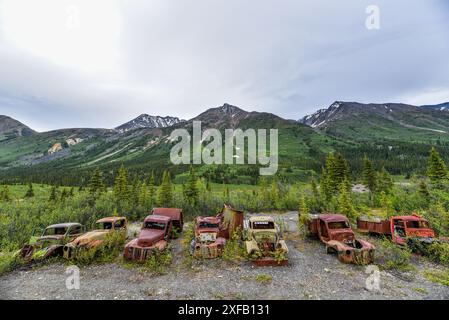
column 335, row 231
column 51, row 242
column 408, row 230
column 163, row 224
column 211, row 233
column 263, row 242
column 95, row 238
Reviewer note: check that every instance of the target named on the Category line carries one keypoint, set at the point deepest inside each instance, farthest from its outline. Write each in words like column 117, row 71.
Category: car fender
column 251, row 246
column 283, row 246
column 337, row 245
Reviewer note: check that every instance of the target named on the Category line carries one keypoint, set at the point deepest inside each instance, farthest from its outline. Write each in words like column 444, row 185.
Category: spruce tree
column 191, row 189
column 30, row 191
column 5, row 195
column 121, row 188
column 165, row 193
column 344, row 203
column 143, row 195
column 369, row 175
column 385, row 181
column 64, row 194
column 423, row 190
column 53, row 194
column 96, row 182
column 436, row 169
column 303, row 208
column 151, row 189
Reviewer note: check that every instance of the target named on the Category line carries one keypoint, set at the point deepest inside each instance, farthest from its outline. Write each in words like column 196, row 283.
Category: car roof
column 155, row 217
column 110, row 219
column 213, row 219
column 174, row 213
column 64, row 225
column 410, row 218
column 261, row 218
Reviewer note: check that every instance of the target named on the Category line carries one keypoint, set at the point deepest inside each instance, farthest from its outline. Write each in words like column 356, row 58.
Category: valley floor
column 312, row 274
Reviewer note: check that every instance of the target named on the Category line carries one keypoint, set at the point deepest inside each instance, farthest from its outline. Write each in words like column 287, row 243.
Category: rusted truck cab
column 95, row 238
column 51, row 241
column 154, row 235
column 207, row 242
column 412, row 230
column 335, row 231
column 176, row 216
column 211, row 233
column 263, row 241
column 403, row 228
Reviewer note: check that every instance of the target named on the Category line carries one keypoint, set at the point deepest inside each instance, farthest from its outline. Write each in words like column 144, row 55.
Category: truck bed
column 372, row 225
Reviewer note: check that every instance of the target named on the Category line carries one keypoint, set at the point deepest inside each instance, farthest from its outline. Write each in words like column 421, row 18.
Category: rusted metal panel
column 95, row 238
column 269, row 262
column 174, row 213
column 156, row 229
column 335, row 231
column 212, row 232
column 231, row 221
column 365, row 224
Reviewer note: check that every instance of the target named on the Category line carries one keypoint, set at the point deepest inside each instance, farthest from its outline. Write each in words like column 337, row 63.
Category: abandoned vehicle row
column 259, row 235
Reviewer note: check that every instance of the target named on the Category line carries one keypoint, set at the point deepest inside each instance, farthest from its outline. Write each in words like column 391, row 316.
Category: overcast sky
column 99, row 63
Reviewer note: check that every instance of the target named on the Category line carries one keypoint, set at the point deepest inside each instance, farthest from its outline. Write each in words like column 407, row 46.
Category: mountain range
column 143, row 144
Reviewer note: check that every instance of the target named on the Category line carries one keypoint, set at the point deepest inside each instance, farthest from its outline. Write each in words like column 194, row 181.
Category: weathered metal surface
column 51, row 241
column 365, row 224
column 412, row 230
column 231, row 221
column 263, row 242
column 175, row 214
column 96, row 237
column 211, row 233
column 269, row 262
column 156, row 230
column 335, row 231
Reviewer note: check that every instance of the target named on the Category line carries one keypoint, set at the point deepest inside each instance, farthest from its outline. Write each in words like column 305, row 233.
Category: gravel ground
column 312, row 274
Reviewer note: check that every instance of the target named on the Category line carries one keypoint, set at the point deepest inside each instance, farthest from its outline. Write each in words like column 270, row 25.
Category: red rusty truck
column 211, row 233
column 335, row 231
column 207, row 243
column 175, row 215
column 412, row 230
column 154, row 235
column 157, row 228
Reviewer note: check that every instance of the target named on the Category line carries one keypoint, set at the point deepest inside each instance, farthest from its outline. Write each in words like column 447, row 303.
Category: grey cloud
column 287, row 57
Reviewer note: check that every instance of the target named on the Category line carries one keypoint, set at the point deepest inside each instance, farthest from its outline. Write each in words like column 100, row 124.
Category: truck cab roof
column 157, row 218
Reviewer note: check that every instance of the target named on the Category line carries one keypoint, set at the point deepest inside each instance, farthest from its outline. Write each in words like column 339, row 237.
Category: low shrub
column 439, row 252
column 158, row 262
column 437, row 276
column 8, row 261
column 233, row 251
column 390, row 256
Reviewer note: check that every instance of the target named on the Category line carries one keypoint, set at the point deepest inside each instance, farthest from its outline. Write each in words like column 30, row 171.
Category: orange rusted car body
column 95, row 238
column 335, row 231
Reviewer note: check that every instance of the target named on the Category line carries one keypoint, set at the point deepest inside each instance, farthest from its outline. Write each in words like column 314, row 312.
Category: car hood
column 51, row 238
column 90, row 236
column 207, row 230
column 341, row 234
column 149, row 237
